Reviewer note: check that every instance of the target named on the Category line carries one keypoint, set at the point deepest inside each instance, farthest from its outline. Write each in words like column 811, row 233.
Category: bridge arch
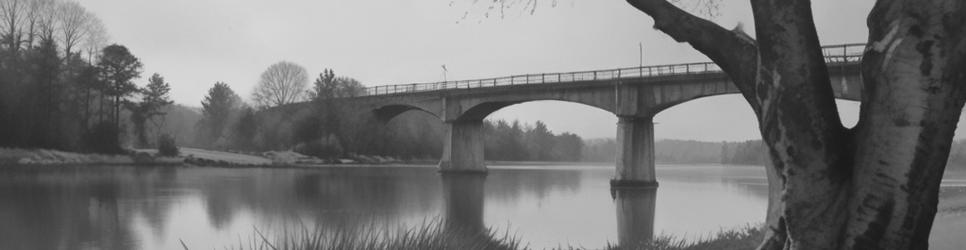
column 657, row 109
column 479, row 111
column 387, row 112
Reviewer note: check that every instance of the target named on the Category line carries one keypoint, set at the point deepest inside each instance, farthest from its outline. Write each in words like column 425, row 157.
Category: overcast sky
column 194, row 43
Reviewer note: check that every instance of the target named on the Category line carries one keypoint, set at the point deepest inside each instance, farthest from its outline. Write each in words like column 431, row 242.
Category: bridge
column 635, row 95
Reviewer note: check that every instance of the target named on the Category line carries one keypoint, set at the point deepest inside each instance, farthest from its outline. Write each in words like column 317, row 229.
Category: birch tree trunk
column 874, row 186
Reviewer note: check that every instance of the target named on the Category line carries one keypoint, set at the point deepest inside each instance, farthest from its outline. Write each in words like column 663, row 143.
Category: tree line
column 63, row 87
column 686, row 152
column 287, row 112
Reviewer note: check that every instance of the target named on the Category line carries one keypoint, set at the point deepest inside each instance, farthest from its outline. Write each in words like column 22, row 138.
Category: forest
column 63, row 87
column 686, row 152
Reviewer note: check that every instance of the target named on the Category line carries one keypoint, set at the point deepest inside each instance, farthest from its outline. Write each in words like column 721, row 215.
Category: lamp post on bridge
column 444, row 72
column 640, row 45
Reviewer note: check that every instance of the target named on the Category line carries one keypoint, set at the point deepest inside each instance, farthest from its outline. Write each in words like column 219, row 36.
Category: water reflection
column 463, row 201
column 78, row 214
column 211, row 208
column 635, row 215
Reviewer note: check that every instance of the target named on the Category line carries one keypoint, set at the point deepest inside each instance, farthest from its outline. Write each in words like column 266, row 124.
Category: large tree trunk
column 914, row 92
column 871, row 187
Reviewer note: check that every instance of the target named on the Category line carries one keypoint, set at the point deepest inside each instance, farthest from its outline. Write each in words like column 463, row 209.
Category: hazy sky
column 195, row 43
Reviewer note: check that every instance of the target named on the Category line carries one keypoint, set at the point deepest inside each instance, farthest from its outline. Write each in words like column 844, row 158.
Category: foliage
column 217, row 107
column 119, row 67
column 327, row 147
column 440, row 235
column 328, row 86
column 243, row 135
column 154, row 97
column 167, row 146
column 432, row 235
column 103, row 138
column 686, row 152
column 515, row 142
column 49, row 98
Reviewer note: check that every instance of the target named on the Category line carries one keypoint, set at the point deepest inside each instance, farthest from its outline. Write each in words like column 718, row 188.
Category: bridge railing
column 835, row 54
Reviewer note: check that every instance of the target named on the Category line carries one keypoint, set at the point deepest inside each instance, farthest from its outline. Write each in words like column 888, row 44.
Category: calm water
column 154, row 208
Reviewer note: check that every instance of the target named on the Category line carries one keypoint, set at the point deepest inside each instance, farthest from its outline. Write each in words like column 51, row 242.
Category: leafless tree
column 874, row 186
column 13, row 14
column 73, row 20
column 282, row 83
column 96, row 38
column 47, row 19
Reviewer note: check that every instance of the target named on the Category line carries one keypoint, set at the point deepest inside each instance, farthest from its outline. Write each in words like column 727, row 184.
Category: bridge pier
column 463, row 148
column 635, row 152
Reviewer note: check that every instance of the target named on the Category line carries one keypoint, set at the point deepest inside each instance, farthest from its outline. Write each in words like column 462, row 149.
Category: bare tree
column 874, row 186
column 282, row 83
column 96, row 39
column 47, row 19
column 73, row 20
column 13, row 14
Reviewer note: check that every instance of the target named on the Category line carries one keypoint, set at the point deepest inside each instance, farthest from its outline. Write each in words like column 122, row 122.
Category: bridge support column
column 463, row 148
column 635, row 152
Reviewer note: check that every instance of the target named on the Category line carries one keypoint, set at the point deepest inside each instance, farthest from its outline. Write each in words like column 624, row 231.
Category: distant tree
column 154, row 97
column 328, row 86
column 566, row 147
column 282, row 83
column 244, row 130
column 323, row 86
column 96, row 37
column 539, row 141
column 45, row 68
column 119, row 68
column 73, row 22
column 216, row 109
column 12, row 15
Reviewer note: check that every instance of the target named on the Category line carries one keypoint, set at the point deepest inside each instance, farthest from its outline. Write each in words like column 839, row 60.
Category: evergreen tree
column 119, row 67
column 216, row 109
column 154, row 97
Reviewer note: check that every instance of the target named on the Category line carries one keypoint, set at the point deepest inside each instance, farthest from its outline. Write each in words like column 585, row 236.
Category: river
column 544, row 206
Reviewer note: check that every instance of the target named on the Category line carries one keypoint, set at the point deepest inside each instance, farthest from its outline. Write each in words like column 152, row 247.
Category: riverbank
column 16, row 156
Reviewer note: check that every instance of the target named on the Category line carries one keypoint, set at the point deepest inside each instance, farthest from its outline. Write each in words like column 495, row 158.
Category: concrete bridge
column 634, row 95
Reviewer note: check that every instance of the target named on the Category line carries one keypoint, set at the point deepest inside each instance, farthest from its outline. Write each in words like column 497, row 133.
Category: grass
column 437, row 235
column 739, row 238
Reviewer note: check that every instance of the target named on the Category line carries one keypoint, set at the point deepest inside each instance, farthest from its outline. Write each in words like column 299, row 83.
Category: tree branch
column 734, row 51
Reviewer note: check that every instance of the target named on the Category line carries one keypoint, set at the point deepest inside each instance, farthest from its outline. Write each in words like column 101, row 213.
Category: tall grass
column 740, row 238
column 438, row 235
column 430, row 236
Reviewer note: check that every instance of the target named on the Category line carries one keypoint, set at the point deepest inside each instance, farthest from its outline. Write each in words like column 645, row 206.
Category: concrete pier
column 463, row 148
column 635, row 152
column 635, row 216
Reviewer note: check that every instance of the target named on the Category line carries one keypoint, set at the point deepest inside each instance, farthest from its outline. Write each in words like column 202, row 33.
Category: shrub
column 103, row 138
column 325, row 148
column 167, row 146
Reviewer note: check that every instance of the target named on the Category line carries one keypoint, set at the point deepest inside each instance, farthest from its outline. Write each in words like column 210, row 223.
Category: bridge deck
column 843, row 54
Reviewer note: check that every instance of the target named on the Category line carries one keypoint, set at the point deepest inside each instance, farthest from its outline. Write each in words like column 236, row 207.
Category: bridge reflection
column 635, row 215
column 464, row 196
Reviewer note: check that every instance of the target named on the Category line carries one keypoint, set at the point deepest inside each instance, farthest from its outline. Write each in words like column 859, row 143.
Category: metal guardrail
column 834, row 54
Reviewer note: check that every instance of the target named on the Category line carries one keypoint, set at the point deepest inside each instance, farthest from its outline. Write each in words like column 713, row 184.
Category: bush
column 325, row 148
column 103, row 138
column 167, row 146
